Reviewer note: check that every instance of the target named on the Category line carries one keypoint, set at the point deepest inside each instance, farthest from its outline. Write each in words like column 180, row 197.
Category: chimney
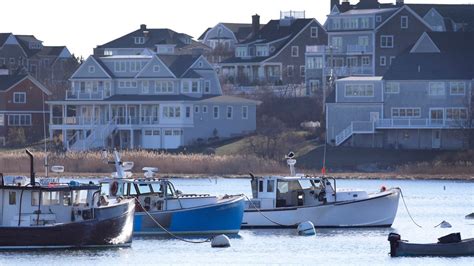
column 400, row 2
column 143, row 27
column 345, row 6
column 333, row 3
column 255, row 24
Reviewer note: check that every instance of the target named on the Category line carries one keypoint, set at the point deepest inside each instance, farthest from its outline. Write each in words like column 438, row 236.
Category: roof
column 240, row 30
column 24, row 41
column 178, row 64
column 229, row 99
column 377, row 78
column 51, row 50
column 273, row 31
column 4, row 37
column 457, row 13
column 367, row 11
column 155, row 98
column 153, row 37
column 104, row 67
column 234, row 60
column 7, row 81
column 432, row 66
column 453, row 41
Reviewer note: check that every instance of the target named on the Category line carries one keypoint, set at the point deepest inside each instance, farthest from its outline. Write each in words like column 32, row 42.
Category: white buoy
column 220, row 241
column 306, row 229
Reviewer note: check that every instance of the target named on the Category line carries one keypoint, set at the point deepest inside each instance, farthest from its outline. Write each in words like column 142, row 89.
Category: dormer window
column 200, row 64
column 139, row 40
column 156, row 68
column 91, row 69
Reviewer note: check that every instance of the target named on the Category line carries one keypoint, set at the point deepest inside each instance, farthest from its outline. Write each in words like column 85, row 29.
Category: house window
column 302, row 71
column 406, row 112
column 19, row 120
column 185, row 86
column 171, row 111
column 294, row 51
column 245, row 112
column 207, row 86
column 290, row 70
column 378, row 18
column 120, row 66
column 12, row 61
column 2, row 119
column 457, row 88
column 139, row 40
column 2, row 61
column 156, row 68
column 437, row 89
column 383, row 61
column 314, row 32
column 365, row 61
column 195, row 86
column 392, row 87
column 204, row 109
column 91, row 69
column 314, row 62
column 124, row 84
column 359, row 90
column 363, row 41
column 404, row 22
column 145, row 86
column 392, row 58
column 19, row 97
column 188, row 111
column 196, row 109
column 456, row 113
column 230, row 112
column 215, row 112
column 386, row 41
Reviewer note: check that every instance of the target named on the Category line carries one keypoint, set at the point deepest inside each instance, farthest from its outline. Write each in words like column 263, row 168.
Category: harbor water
column 429, row 202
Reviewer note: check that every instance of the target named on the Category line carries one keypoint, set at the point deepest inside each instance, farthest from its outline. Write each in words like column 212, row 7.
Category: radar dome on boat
column 57, row 169
column 150, row 171
column 127, row 166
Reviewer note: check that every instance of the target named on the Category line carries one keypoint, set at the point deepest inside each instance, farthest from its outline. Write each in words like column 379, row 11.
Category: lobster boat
column 161, row 209
column 35, row 215
column 287, row 201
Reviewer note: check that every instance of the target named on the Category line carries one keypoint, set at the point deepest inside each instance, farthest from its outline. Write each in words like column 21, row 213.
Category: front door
column 436, row 139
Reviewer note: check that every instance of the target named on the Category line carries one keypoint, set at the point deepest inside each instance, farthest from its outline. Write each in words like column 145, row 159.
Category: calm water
column 430, row 202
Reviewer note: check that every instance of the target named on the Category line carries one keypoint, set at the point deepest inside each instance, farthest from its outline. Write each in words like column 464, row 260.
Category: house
column 22, row 107
column 223, row 37
column 274, row 53
column 149, row 41
column 446, row 17
column 424, row 101
column 363, row 40
column 50, row 65
column 151, row 101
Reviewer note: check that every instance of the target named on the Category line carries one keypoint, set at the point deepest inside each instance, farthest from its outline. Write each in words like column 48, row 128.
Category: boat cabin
column 292, row 191
column 45, row 204
column 153, row 194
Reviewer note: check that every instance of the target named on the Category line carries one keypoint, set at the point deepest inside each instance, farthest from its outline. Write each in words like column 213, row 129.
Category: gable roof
column 459, row 42
column 432, row 66
column 273, row 31
column 24, row 41
column 7, row 81
column 153, row 37
column 178, row 64
column 404, row 7
column 51, row 50
column 3, row 38
column 460, row 13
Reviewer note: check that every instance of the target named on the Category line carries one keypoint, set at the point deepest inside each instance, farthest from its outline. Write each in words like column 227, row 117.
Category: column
column 132, row 139
column 126, row 113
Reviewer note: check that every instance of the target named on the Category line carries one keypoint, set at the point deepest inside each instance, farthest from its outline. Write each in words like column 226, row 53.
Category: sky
column 81, row 25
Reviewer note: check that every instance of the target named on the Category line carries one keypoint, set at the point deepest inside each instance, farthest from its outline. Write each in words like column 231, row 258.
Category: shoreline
column 342, row 175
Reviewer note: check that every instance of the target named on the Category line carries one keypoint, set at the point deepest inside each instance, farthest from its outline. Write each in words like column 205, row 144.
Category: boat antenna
column 291, row 162
column 118, row 165
column 45, row 140
column 323, row 170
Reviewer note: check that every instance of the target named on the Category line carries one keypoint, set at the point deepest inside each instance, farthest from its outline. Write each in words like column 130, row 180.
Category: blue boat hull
column 225, row 217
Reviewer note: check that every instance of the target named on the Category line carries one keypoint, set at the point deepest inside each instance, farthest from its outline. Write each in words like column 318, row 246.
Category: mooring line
column 406, row 208
column 255, row 207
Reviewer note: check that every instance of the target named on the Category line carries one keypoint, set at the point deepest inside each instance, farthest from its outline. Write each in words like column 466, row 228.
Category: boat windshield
column 285, row 186
column 307, row 184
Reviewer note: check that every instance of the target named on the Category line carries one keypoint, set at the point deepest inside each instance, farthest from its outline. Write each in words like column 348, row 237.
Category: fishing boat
column 161, row 209
column 448, row 246
column 286, row 201
column 36, row 215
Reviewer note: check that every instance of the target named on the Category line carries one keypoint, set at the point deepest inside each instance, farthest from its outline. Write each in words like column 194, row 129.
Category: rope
column 167, row 231
column 404, row 203
column 255, row 207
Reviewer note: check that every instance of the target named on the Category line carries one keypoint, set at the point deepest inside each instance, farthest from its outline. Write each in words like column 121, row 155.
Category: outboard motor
column 394, row 238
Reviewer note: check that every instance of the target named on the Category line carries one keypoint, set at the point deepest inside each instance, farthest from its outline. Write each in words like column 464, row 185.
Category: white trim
column 218, row 112
column 402, row 20
column 231, row 112
column 436, row 95
column 437, row 109
column 457, row 94
column 19, row 93
column 359, row 96
column 405, row 108
column 84, row 64
column 19, row 119
column 388, row 37
column 24, row 112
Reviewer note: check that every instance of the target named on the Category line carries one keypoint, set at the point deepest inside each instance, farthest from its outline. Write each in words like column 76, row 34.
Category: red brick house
column 22, row 107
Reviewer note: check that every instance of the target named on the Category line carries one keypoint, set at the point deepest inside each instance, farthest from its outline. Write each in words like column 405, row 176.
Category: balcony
column 316, row 49
column 421, row 123
column 350, row 71
column 358, row 49
column 84, row 95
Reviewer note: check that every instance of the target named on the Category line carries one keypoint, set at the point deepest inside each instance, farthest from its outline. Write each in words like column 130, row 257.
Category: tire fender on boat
column 114, row 188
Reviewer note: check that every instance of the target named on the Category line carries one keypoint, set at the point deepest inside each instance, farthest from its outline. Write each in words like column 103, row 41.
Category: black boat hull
column 105, row 230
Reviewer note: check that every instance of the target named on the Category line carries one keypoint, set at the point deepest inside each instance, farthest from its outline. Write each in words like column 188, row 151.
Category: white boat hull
column 378, row 210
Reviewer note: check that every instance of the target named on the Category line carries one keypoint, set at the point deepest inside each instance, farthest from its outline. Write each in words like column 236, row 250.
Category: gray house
column 147, row 101
column 424, row 101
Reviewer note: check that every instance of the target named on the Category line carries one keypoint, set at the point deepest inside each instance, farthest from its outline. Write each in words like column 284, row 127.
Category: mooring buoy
column 220, row 241
column 306, row 229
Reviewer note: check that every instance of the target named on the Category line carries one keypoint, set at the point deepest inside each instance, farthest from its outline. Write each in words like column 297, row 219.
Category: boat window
column 169, row 191
column 12, row 198
column 270, row 185
column 260, row 186
column 50, row 198
column 79, row 197
column 285, row 186
column 67, row 198
column 133, row 190
column 35, row 198
column 104, row 188
column 306, row 183
column 144, row 188
column 157, row 188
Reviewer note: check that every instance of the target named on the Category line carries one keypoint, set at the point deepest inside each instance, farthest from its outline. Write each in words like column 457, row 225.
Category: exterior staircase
column 95, row 139
column 356, row 127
